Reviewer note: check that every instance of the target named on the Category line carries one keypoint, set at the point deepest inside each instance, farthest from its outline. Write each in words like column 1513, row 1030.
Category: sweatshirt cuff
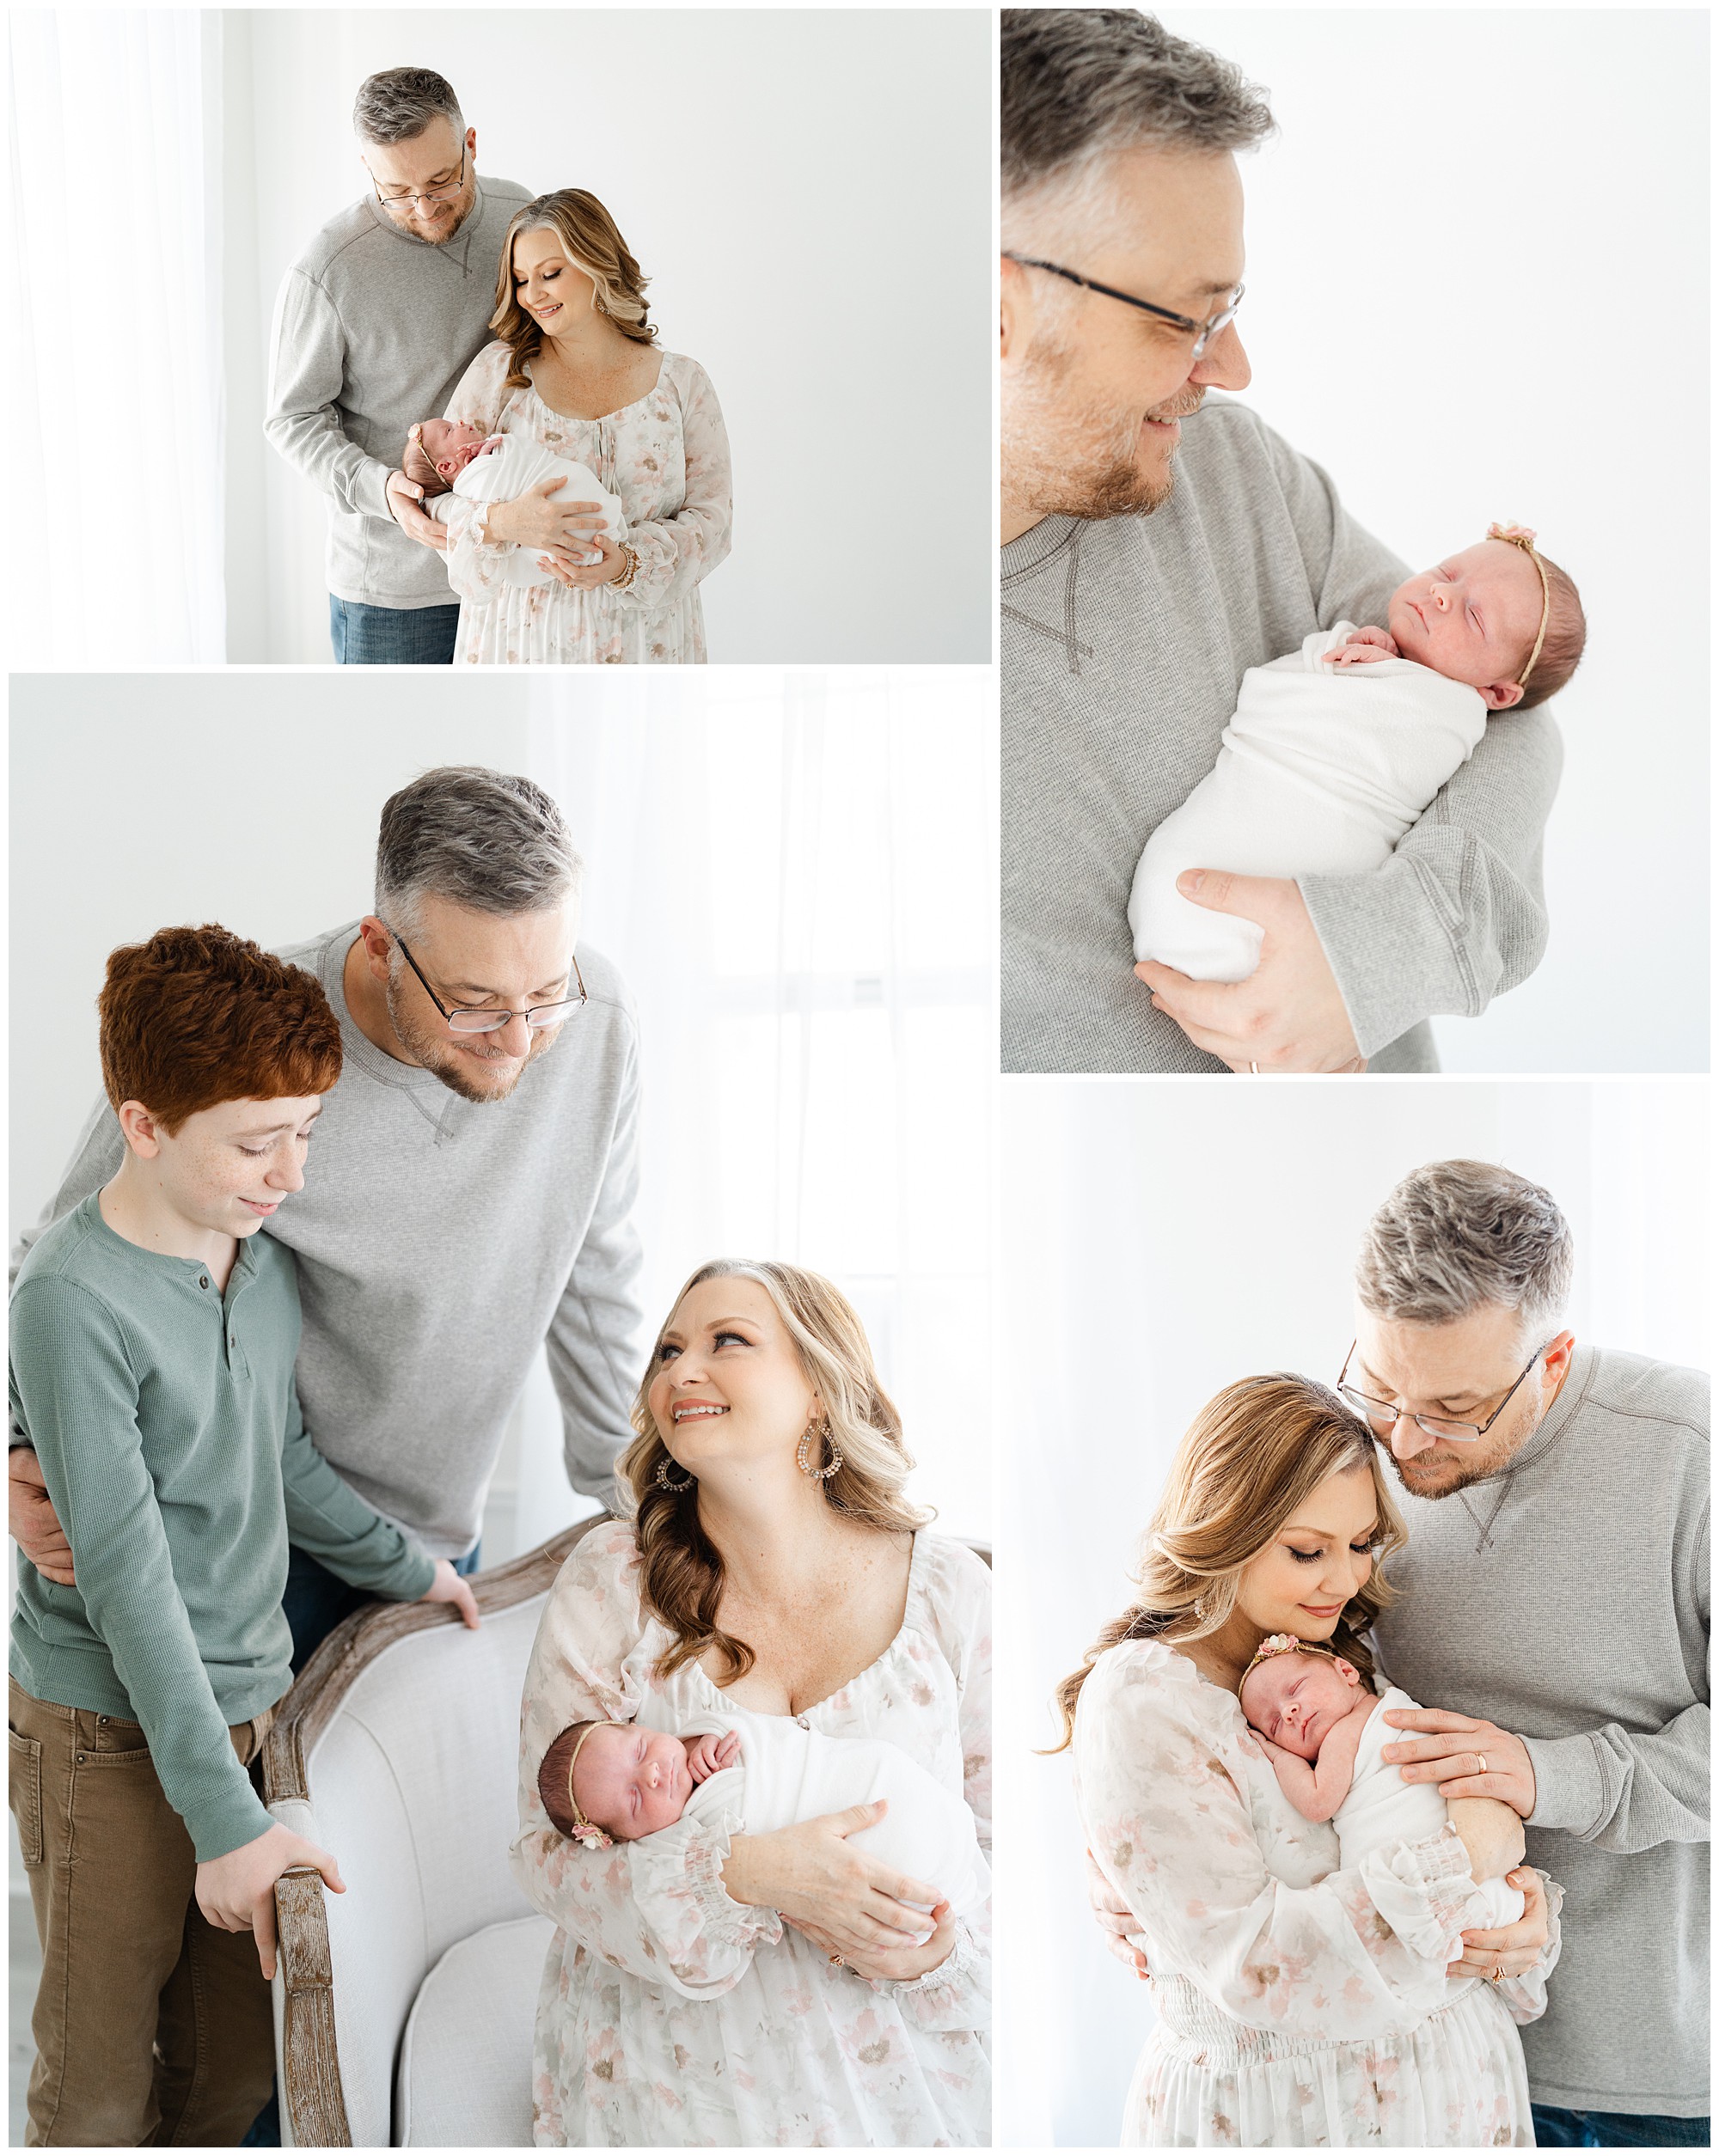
column 233, row 1816
column 1569, row 1791
column 1391, row 952
column 370, row 490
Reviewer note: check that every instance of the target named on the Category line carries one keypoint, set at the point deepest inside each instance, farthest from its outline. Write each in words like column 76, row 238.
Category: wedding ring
column 1481, row 1757
column 1497, row 1976
column 1253, row 1069
column 836, row 1962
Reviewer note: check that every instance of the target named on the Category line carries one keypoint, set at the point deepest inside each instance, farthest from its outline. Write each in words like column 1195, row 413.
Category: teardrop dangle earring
column 803, row 1450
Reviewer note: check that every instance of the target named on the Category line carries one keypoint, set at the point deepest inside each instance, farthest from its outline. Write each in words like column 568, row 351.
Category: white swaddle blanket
column 1322, row 771
column 787, row 1774
column 1381, row 1809
column 503, row 473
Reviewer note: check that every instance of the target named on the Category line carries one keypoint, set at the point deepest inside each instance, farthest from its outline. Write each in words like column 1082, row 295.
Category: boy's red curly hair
column 198, row 1016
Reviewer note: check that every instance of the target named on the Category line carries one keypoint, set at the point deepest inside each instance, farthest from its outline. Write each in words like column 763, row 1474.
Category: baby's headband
column 583, row 1830
column 1282, row 1643
column 1519, row 536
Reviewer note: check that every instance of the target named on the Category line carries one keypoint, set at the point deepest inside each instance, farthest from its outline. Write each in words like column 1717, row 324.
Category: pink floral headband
column 583, row 1829
column 1519, row 536
column 1284, row 1643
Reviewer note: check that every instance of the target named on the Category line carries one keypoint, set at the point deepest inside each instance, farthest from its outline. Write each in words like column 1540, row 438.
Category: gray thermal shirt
column 1565, row 1599
column 372, row 331
column 1123, row 645
column 440, row 1242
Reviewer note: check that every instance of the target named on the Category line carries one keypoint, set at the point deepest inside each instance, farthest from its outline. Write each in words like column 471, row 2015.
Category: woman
column 1292, row 2011
column 770, row 1559
column 576, row 366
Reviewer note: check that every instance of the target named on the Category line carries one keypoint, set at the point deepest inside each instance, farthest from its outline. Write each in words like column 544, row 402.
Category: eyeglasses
column 439, row 193
column 1383, row 1415
column 1213, row 325
column 539, row 1018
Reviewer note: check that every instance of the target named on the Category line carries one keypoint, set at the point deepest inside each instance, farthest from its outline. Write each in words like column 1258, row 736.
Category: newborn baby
column 443, row 455
column 1321, row 1729
column 1336, row 749
column 602, row 1782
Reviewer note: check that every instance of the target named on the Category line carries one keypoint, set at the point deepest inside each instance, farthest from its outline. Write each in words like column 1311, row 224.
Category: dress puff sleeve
column 677, row 553
column 656, row 1907
column 1164, row 1794
column 474, row 567
column 957, row 1995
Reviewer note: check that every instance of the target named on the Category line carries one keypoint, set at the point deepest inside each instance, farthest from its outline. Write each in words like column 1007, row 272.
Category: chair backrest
column 396, row 1751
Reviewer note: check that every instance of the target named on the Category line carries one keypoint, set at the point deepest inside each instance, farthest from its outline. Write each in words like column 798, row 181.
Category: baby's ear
column 1346, row 1671
column 1500, row 695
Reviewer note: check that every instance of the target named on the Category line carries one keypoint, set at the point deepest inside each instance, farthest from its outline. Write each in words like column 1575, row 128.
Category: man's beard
column 1067, row 459
column 455, row 1067
column 1461, row 1473
column 462, row 211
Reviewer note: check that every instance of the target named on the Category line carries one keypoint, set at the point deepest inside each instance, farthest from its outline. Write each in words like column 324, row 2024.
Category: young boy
column 153, row 1332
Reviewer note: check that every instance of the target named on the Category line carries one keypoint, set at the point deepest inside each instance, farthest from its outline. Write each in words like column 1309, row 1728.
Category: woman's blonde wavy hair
column 681, row 1566
column 593, row 243
column 1252, row 1457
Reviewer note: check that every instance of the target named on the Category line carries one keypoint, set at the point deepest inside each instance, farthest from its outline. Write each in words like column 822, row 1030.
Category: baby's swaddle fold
column 1381, row 1809
column 502, row 475
column 1321, row 770
column 788, row 1774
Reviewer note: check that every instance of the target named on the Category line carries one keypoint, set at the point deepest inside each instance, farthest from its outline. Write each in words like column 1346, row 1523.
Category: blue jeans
column 391, row 636
column 1556, row 2129
column 315, row 1602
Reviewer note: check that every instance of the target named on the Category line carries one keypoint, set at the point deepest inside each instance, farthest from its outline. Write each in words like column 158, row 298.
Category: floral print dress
column 666, row 456
column 670, row 2015
column 1298, row 2006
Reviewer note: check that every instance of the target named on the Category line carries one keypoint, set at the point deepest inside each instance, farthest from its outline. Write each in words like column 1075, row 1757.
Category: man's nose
column 1224, row 364
column 1407, row 1437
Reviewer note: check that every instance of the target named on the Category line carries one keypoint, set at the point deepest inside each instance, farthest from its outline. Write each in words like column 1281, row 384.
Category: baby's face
column 1297, row 1699
column 1473, row 619
column 450, row 445
column 631, row 1780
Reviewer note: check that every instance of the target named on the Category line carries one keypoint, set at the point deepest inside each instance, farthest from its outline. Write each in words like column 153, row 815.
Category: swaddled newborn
column 449, row 456
column 619, row 1781
column 1323, row 1733
column 1335, row 750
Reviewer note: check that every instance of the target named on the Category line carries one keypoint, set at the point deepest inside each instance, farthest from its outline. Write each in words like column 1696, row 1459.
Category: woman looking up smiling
column 771, row 1563
column 577, row 368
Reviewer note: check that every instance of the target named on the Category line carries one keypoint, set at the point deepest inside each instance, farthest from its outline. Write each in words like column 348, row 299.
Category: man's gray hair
column 400, row 103
column 1458, row 1234
column 485, row 840
column 1080, row 84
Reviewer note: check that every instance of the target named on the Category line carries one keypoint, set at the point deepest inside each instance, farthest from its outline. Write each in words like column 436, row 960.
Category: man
column 1553, row 1601
column 470, row 1195
column 1156, row 546
column 376, row 324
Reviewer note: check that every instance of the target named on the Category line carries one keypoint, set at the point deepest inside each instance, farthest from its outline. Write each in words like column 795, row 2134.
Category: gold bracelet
column 619, row 583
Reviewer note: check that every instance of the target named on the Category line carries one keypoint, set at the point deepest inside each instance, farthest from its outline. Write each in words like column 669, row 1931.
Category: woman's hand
column 896, row 1965
column 447, row 1585
column 810, row 1875
column 1510, row 1949
column 1115, row 1919
column 613, row 565
column 236, row 1892
column 531, row 519
column 34, row 1522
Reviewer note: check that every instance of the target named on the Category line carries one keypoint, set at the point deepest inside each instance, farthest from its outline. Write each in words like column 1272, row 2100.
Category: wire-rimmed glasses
column 440, row 192
column 465, row 1019
column 1213, row 325
column 1383, row 1415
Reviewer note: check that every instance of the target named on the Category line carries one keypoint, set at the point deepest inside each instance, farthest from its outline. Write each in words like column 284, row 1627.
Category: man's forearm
column 1624, row 1790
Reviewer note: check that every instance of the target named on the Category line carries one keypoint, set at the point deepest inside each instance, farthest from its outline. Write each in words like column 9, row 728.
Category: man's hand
column 405, row 498
column 1287, row 1015
column 449, row 1585
column 707, row 1754
column 1361, row 646
column 1515, row 1947
column 236, row 1892
column 32, row 1520
column 1115, row 1919
column 1465, row 1757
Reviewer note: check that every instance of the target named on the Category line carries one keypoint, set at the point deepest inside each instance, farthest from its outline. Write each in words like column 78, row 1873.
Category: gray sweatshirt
column 1566, row 1599
column 1124, row 643
column 372, row 330
column 440, row 1242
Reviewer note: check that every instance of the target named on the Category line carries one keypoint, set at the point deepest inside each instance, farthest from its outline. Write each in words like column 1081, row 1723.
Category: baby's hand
column 706, row 1755
column 1364, row 647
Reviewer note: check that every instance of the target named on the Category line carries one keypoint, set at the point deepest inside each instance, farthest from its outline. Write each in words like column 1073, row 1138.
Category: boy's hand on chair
column 236, row 1892
column 447, row 1585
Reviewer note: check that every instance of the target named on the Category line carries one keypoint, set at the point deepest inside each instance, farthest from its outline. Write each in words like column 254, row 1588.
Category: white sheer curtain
column 116, row 360
column 794, row 872
column 1159, row 1241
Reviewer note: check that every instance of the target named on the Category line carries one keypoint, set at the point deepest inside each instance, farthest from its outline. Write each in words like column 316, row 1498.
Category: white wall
column 809, row 193
column 1158, row 1241
column 1477, row 287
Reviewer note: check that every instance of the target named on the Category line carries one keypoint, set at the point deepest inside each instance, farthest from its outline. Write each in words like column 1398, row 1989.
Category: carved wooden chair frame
column 310, row 2065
